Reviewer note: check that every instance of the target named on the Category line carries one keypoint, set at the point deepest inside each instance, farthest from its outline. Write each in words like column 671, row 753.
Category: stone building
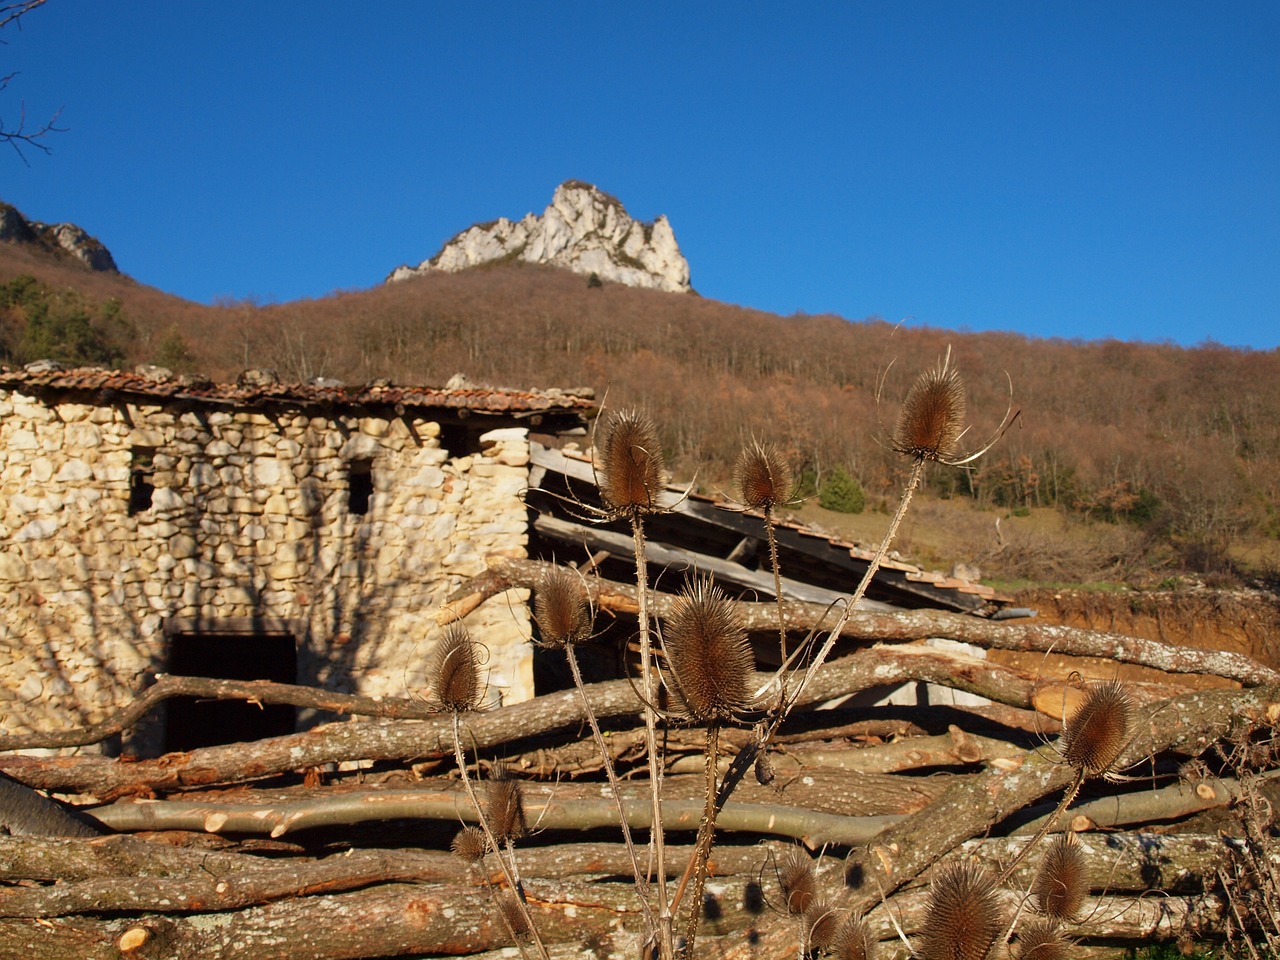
column 300, row 533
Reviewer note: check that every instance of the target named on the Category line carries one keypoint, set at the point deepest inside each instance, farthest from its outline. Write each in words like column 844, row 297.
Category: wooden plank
column 678, row 559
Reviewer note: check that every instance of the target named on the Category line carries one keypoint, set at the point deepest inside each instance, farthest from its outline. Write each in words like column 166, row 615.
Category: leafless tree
column 23, row 135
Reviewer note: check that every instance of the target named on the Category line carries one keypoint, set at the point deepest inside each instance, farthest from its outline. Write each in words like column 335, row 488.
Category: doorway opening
column 192, row 722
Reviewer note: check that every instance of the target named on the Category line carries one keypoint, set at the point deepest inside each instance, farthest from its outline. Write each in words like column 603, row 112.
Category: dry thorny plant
column 699, row 666
column 1249, row 882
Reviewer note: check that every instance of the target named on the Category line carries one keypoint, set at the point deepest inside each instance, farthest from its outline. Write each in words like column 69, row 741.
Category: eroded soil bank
column 1246, row 621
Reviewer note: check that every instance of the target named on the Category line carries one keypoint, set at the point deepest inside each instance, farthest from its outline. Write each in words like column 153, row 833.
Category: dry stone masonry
column 133, row 511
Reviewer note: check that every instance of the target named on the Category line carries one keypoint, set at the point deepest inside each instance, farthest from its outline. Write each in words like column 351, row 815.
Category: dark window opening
column 459, row 440
column 141, row 489
column 192, row 722
column 359, row 486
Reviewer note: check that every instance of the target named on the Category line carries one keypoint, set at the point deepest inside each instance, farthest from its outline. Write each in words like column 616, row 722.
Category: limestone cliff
column 60, row 239
column 584, row 230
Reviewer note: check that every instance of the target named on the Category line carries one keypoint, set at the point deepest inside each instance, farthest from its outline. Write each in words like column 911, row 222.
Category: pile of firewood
column 334, row 842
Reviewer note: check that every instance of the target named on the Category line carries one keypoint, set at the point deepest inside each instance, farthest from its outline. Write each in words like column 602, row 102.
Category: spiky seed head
column 1040, row 939
column 1060, row 883
column 932, row 416
column 763, row 475
column 798, row 881
column 823, row 922
column 469, row 844
column 629, row 465
column 562, row 608
column 514, row 917
column 453, row 670
column 710, row 656
column 506, row 804
column 853, row 941
column 963, row 918
column 764, row 771
column 1099, row 729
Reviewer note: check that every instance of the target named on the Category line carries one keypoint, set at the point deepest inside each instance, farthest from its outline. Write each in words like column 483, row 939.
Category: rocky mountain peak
column 60, row 239
column 584, row 230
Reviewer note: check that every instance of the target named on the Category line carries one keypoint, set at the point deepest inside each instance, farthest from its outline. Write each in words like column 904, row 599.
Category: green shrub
column 842, row 493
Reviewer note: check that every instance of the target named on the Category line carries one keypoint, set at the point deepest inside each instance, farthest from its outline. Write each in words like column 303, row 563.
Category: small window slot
column 141, row 486
column 359, row 486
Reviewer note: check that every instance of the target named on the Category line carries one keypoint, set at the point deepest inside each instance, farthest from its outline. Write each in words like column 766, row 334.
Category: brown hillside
column 1180, row 446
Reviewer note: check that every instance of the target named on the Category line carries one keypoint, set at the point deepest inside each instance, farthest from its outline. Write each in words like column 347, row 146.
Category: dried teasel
column 706, row 645
column 1099, row 729
column 469, row 845
column 932, row 416
column 505, row 804
column 629, row 463
column 763, row 476
column 765, row 774
column 1040, row 940
column 798, row 880
column 963, row 918
column 822, row 921
column 1060, row 884
column 516, row 920
column 853, row 940
column 562, row 608
column 453, row 670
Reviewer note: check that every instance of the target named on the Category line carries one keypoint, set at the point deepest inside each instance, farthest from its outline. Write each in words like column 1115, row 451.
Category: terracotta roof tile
column 472, row 398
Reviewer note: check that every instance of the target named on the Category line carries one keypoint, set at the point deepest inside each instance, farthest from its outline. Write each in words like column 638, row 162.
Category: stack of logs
column 270, row 849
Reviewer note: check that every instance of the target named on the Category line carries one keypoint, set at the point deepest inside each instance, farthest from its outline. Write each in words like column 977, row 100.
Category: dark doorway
column 193, row 723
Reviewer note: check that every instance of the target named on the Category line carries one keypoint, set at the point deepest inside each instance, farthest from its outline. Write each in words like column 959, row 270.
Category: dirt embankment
column 1245, row 621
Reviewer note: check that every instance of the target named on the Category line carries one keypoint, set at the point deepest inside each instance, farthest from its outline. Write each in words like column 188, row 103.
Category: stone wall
column 249, row 520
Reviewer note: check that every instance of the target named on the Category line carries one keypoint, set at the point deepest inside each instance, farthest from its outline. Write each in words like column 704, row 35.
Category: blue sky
column 1081, row 170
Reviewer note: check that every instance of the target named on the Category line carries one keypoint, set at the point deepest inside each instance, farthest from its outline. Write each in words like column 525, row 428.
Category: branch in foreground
column 1187, row 724
column 905, row 626
column 430, row 739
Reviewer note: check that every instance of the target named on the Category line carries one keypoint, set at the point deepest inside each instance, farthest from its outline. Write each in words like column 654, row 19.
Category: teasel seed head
column 798, row 881
column 765, row 774
column 963, row 918
column 932, row 416
column 562, row 608
column 1060, row 883
column 629, row 463
column 469, row 844
column 1040, row 939
column 709, row 653
column 823, row 923
column 853, row 941
column 453, row 670
column 763, row 475
column 514, row 916
column 505, row 796
column 1099, row 729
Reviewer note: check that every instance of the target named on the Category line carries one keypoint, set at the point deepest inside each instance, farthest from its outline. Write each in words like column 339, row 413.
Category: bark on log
column 905, row 626
column 1115, row 862
column 168, row 686
column 548, row 812
column 437, row 919
column 432, row 739
column 1186, row 724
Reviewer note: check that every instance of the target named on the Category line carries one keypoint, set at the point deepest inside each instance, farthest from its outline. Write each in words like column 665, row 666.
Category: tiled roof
column 104, row 385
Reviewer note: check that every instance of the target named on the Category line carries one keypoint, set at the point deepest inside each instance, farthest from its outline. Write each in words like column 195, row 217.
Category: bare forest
column 1171, row 453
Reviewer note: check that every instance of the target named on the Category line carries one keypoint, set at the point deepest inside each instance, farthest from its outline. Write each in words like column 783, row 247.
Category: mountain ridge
column 584, row 230
column 56, row 239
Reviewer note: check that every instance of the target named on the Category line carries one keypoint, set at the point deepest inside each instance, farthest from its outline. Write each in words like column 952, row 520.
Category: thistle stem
column 650, row 686
column 913, row 481
column 641, row 887
column 697, row 868
column 513, row 881
column 777, row 580
column 1067, row 798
